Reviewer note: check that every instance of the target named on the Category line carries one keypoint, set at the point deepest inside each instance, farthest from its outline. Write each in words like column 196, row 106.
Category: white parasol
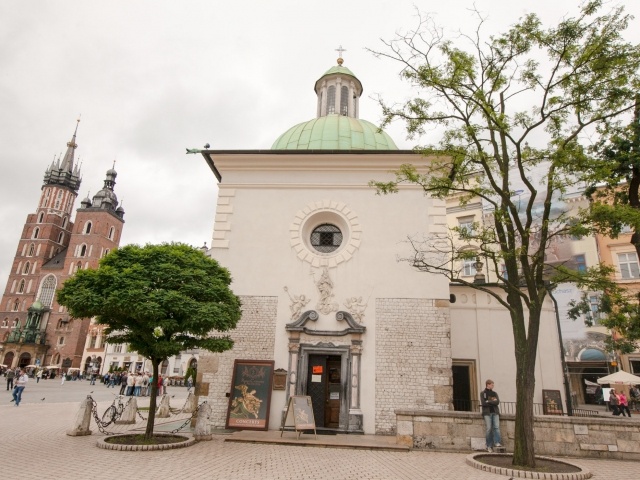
column 620, row 378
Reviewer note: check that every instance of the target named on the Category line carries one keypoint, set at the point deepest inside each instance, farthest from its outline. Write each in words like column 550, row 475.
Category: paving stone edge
column 582, row 475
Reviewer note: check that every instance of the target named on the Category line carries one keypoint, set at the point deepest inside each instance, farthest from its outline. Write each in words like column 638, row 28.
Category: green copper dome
column 334, row 132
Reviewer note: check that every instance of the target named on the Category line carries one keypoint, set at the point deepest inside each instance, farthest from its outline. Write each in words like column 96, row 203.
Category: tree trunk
column 148, row 434
column 523, row 451
column 526, row 350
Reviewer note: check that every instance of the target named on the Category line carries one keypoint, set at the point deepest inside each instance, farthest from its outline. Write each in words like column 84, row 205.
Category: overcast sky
column 151, row 77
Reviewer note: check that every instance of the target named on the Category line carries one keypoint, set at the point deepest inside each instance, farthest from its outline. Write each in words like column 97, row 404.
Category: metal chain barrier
column 114, row 412
column 188, row 420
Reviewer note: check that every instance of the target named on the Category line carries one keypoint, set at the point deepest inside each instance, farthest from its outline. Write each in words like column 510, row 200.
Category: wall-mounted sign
column 316, row 369
column 250, row 395
column 280, row 379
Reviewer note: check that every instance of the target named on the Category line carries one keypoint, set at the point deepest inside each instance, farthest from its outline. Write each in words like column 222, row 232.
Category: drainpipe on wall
column 565, row 371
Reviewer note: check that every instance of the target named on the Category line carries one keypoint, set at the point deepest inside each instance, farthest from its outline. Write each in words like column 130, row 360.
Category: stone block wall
column 592, row 437
column 254, row 339
column 413, row 358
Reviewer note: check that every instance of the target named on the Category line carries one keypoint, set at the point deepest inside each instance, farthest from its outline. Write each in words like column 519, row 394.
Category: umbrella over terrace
column 620, row 378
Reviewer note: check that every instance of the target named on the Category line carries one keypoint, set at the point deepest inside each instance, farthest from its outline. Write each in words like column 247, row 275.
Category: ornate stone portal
column 344, row 343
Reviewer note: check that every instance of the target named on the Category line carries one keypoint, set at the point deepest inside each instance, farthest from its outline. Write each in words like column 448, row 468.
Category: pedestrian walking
column 131, row 382
column 635, row 398
column 38, row 376
column 159, row 385
column 614, row 402
column 138, row 385
column 145, row 385
column 491, row 414
column 623, row 404
column 21, row 383
column 10, row 376
column 123, row 383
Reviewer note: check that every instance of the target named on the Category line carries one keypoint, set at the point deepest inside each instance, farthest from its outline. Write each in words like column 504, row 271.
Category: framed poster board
column 551, row 402
column 250, row 395
column 299, row 415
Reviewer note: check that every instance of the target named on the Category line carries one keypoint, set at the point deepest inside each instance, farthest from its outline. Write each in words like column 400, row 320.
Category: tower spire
column 67, row 162
column 64, row 173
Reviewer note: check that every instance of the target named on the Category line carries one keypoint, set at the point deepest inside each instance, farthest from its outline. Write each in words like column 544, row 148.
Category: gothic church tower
column 34, row 329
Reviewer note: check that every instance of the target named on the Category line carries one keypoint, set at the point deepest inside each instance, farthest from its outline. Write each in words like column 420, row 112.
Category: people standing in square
column 491, row 413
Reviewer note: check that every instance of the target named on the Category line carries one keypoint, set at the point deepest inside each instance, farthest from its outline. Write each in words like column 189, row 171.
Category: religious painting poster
column 250, row 395
column 552, row 402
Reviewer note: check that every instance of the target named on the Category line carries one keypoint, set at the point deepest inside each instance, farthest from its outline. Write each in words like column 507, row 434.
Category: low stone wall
column 592, row 437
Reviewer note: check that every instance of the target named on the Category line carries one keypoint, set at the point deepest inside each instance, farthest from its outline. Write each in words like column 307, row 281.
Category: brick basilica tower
column 34, row 329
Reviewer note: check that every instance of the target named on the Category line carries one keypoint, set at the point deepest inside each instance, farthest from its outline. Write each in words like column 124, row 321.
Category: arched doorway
column 164, row 367
column 25, row 359
column 193, row 363
column 87, row 365
column 8, row 359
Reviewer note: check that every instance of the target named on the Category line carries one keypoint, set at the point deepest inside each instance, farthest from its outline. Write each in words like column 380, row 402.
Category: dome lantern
column 336, row 126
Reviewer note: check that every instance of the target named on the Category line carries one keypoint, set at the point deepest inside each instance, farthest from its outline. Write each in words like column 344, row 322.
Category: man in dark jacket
column 491, row 413
column 10, row 376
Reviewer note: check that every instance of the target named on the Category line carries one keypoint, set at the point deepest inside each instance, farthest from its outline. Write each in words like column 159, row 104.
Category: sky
column 149, row 78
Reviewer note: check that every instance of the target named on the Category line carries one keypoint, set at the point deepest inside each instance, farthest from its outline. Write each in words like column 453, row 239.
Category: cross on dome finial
column 340, row 50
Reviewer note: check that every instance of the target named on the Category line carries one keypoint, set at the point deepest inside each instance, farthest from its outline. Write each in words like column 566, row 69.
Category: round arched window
column 326, row 238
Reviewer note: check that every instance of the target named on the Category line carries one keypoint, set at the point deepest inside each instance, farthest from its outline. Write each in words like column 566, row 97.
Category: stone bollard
column 191, row 404
column 129, row 413
column 164, row 411
column 83, row 419
column 203, row 427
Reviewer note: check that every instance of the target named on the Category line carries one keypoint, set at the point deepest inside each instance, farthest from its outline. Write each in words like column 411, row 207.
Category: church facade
column 34, row 329
column 314, row 252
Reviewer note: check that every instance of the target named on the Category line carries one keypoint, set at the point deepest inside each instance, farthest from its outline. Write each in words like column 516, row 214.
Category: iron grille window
column 326, row 238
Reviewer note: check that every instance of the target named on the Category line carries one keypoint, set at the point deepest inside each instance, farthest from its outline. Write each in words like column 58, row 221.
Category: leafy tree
column 614, row 189
column 618, row 308
column 511, row 107
column 160, row 299
column 615, row 185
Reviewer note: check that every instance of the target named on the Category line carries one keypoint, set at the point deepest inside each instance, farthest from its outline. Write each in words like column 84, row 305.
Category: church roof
column 340, row 70
column 334, row 132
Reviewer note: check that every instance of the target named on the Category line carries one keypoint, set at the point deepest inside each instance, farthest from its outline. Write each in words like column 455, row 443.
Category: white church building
column 313, row 253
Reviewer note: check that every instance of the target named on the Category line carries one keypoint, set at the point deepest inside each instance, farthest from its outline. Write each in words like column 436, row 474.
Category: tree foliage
column 615, row 185
column 159, row 299
column 614, row 190
column 513, row 111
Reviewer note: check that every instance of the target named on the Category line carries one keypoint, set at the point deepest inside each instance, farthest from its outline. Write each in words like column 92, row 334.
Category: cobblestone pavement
column 34, row 445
